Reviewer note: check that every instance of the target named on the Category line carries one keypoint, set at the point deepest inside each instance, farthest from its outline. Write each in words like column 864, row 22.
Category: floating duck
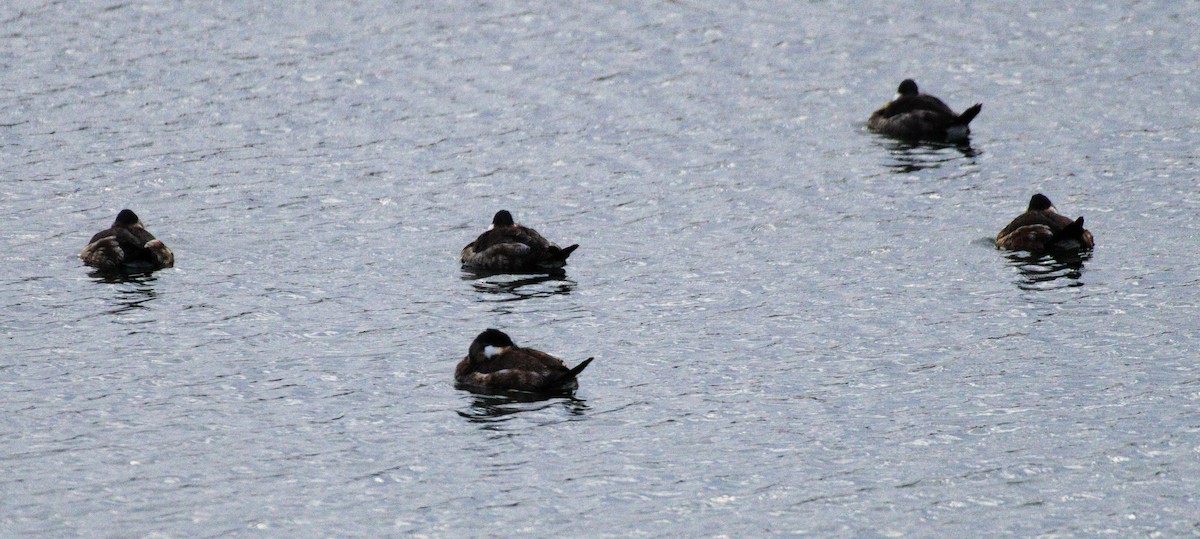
column 126, row 245
column 495, row 363
column 1041, row 228
column 913, row 115
column 508, row 246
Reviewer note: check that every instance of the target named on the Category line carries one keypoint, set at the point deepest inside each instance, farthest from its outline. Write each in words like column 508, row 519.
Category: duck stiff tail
column 969, row 114
column 1073, row 231
column 578, row 369
column 562, row 254
column 567, row 380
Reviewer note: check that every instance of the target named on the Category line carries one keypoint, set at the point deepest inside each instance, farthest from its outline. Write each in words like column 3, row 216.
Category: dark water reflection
column 133, row 275
column 1048, row 271
column 492, row 408
column 517, row 287
column 908, row 157
column 135, row 291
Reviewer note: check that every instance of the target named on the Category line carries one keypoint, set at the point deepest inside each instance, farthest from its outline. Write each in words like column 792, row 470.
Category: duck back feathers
column 495, row 363
column 126, row 245
column 508, row 246
column 916, row 116
column 1041, row 228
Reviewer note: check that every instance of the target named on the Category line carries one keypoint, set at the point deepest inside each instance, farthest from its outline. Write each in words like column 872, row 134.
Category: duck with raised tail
column 913, row 115
column 1041, row 228
column 495, row 363
column 508, row 246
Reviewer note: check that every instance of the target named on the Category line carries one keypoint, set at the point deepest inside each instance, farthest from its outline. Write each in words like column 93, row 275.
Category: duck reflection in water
column 510, row 287
column 136, row 296
column 1047, row 271
column 491, row 409
column 909, row 157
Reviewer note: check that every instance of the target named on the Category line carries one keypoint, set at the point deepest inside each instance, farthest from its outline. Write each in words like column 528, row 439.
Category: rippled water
column 799, row 327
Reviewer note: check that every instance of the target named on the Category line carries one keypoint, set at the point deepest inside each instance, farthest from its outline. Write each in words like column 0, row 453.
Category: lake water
column 799, row 327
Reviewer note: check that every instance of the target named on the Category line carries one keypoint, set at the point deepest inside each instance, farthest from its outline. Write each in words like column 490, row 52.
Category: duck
column 913, row 115
column 495, row 363
column 126, row 245
column 508, row 246
column 1041, row 228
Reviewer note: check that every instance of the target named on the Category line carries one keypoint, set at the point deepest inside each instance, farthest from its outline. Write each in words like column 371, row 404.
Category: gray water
column 799, row 327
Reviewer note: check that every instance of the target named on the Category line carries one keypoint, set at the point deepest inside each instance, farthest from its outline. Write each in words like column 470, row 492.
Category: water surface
column 799, row 327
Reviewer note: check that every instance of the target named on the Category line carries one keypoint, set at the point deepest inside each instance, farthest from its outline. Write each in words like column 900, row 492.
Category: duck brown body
column 916, row 116
column 126, row 245
column 508, row 246
column 1041, row 228
column 495, row 363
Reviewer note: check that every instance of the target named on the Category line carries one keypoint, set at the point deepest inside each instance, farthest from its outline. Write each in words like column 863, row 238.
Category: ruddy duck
column 508, row 246
column 1041, row 228
column 127, row 245
column 916, row 116
column 494, row 363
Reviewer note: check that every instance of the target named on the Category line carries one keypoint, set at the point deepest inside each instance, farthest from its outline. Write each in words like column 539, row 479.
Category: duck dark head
column 1040, row 202
column 494, row 337
column 908, row 87
column 502, row 219
column 490, row 343
column 126, row 218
